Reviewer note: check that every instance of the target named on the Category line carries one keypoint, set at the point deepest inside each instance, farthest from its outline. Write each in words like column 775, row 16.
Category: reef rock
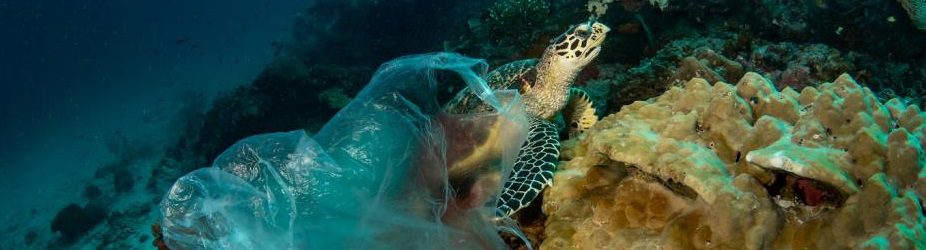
column 74, row 221
column 744, row 167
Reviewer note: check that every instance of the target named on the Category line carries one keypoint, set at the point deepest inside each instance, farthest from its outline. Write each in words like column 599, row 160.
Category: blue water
column 76, row 74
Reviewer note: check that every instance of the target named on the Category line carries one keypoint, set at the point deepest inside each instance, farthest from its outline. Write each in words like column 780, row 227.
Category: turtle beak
column 598, row 32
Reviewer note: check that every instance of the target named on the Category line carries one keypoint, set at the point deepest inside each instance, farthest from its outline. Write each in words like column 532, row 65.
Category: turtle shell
column 509, row 76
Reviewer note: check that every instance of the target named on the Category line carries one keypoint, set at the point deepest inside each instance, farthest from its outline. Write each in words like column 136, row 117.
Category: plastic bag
column 375, row 176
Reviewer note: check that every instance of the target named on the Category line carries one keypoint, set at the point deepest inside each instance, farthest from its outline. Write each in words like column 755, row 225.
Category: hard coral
column 747, row 167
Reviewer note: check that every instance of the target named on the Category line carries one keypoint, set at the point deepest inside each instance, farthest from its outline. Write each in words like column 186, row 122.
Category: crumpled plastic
column 375, row 176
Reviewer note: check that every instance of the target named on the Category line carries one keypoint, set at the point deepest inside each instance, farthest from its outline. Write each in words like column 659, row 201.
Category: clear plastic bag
column 375, row 176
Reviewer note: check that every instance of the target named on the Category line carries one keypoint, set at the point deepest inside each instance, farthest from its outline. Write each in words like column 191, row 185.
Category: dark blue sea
column 85, row 80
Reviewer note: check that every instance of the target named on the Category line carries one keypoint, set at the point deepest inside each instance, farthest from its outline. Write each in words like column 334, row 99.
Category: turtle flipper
column 533, row 170
column 579, row 112
column 513, row 74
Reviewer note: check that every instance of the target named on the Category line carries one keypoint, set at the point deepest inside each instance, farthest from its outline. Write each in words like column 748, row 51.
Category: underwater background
column 105, row 104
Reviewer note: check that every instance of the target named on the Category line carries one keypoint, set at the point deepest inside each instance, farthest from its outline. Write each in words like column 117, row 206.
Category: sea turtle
column 546, row 89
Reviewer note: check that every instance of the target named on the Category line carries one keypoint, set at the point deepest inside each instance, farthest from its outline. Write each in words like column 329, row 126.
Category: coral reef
column 791, row 42
column 745, row 166
column 716, row 59
column 722, row 54
column 73, row 221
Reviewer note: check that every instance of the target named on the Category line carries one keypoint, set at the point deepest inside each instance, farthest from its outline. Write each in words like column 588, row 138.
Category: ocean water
column 79, row 76
column 105, row 104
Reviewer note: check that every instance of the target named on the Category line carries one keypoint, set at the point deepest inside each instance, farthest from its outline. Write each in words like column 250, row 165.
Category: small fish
column 182, row 40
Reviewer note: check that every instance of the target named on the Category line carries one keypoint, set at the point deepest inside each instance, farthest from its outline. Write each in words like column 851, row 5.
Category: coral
column 73, row 221
column 787, row 64
column 518, row 12
column 672, row 65
column 782, row 40
column 916, row 9
column 708, row 65
column 597, row 8
column 799, row 66
column 745, row 167
column 662, row 4
column 790, row 19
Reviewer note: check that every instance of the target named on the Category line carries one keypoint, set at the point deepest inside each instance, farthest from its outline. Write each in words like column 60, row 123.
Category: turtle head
column 566, row 56
column 578, row 46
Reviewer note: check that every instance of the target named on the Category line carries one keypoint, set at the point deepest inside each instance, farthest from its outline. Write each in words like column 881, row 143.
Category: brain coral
column 745, row 167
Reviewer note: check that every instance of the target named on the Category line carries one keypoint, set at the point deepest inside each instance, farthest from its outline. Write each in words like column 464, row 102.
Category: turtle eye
column 583, row 33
